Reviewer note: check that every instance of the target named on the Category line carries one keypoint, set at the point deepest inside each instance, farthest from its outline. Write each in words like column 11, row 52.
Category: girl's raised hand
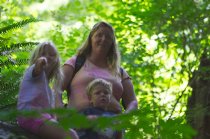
column 40, row 64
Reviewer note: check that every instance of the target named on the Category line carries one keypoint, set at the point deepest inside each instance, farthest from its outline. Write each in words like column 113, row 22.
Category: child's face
column 100, row 97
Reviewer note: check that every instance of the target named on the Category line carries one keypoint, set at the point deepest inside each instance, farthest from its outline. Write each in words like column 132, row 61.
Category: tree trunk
column 198, row 103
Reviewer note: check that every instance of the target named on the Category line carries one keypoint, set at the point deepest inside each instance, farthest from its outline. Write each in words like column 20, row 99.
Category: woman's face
column 102, row 40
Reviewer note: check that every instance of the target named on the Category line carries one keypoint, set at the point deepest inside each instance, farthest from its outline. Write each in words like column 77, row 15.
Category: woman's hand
column 114, row 105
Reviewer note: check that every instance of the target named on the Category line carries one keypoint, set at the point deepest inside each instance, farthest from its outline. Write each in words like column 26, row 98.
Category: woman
column 101, row 61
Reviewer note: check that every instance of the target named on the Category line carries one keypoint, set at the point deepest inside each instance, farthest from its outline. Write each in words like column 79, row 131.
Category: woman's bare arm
column 68, row 72
column 68, row 75
column 129, row 98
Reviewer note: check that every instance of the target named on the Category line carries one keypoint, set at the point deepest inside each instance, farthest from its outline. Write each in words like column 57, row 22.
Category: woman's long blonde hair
column 55, row 75
column 113, row 57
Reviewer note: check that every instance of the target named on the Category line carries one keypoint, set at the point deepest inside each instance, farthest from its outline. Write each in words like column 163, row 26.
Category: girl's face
column 100, row 97
column 102, row 40
column 51, row 54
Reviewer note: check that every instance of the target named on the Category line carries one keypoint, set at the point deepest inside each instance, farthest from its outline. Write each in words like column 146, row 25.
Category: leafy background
column 161, row 42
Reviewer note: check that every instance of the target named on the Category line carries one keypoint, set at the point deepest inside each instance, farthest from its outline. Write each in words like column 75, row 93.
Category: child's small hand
column 41, row 62
column 92, row 117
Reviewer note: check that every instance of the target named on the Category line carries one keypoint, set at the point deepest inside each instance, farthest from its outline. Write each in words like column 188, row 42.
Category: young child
column 99, row 92
column 36, row 94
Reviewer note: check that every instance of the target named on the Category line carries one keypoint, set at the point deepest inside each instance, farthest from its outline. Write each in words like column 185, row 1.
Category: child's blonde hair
column 96, row 82
column 56, row 75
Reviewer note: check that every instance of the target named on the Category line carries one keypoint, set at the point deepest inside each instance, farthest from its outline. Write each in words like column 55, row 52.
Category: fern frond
column 4, row 106
column 6, row 49
column 17, row 25
column 3, row 39
column 10, row 61
column 7, row 86
column 11, row 68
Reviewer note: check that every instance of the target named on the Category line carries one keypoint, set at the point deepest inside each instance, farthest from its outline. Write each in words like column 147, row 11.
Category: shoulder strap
column 80, row 60
column 121, row 72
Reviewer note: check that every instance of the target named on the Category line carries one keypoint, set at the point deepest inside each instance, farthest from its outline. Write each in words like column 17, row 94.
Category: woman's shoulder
column 72, row 58
column 124, row 74
column 71, row 61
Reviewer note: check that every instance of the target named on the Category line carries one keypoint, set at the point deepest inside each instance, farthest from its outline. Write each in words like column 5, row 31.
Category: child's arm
column 39, row 66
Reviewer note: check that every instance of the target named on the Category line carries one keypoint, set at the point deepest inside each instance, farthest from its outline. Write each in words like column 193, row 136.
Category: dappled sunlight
column 47, row 5
column 160, row 49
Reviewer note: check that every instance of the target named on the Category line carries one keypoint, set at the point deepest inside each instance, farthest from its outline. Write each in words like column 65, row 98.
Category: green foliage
column 159, row 40
column 160, row 43
column 17, row 25
column 133, row 125
column 179, row 130
column 13, row 58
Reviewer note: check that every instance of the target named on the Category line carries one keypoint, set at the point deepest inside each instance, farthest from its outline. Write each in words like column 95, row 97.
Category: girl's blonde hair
column 98, row 82
column 55, row 75
column 113, row 57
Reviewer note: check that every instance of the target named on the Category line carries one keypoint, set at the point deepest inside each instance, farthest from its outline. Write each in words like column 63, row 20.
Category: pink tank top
column 87, row 73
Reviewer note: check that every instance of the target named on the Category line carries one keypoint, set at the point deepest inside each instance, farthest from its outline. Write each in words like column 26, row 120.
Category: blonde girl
column 36, row 94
